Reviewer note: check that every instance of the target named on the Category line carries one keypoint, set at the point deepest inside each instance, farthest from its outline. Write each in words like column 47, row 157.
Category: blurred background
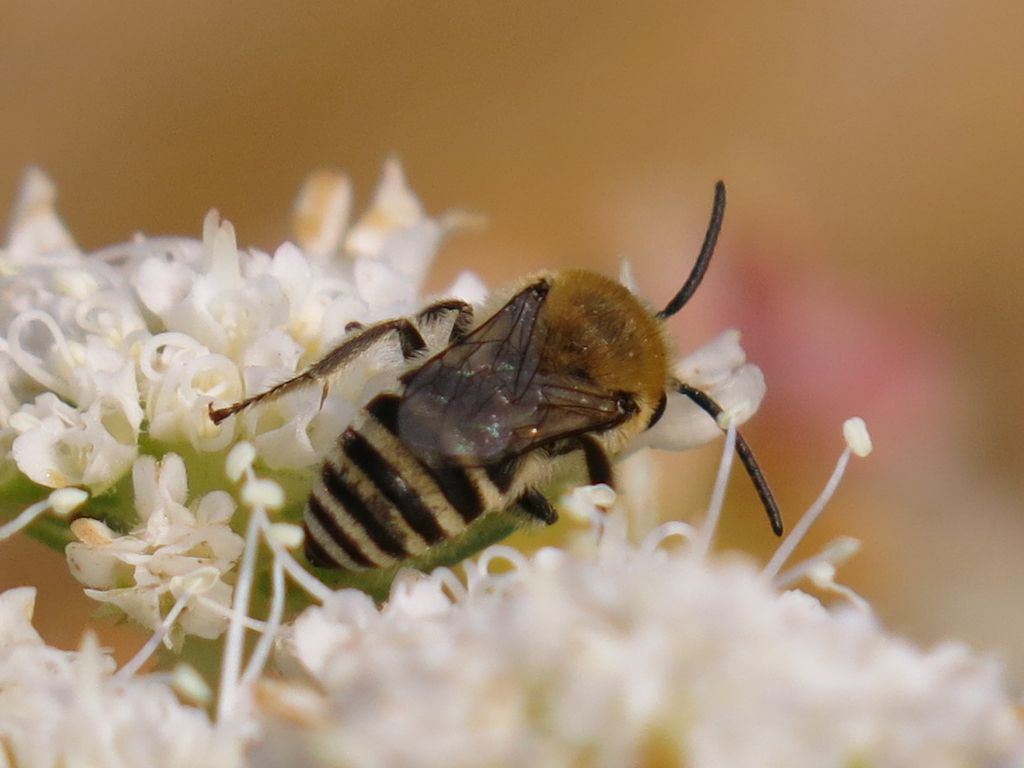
column 871, row 254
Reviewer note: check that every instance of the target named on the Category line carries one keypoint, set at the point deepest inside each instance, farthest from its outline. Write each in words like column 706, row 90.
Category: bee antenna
column 703, row 259
column 713, row 409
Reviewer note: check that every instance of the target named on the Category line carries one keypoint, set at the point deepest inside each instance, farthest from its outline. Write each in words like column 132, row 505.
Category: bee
column 562, row 371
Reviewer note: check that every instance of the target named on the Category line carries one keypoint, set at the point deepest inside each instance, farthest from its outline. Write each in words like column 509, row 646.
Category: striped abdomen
column 375, row 503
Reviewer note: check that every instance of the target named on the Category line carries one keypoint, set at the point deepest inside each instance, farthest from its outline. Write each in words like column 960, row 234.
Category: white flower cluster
column 101, row 350
column 143, row 573
column 107, row 355
column 150, row 332
column 606, row 655
column 634, row 656
column 60, row 708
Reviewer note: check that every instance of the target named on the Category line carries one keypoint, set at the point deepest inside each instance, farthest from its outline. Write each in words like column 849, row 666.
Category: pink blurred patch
column 829, row 353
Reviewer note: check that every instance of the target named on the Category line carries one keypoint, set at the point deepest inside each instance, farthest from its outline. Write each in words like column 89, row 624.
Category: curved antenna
column 703, row 259
column 704, row 401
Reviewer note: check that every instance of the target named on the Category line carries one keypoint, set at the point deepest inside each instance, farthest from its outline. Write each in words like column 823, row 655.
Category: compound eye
column 659, row 411
column 626, row 404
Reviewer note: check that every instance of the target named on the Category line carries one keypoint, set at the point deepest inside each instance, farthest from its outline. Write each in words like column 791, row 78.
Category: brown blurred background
column 871, row 254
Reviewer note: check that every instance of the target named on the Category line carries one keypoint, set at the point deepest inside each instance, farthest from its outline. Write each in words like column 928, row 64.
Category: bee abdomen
column 376, row 504
column 454, row 482
column 387, row 479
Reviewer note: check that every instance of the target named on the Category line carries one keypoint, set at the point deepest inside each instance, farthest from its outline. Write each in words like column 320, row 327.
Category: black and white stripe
column 376, row 504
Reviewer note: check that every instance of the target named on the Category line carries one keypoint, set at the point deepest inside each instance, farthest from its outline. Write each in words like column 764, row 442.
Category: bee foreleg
column 408, row 337
column 463, row 317
column 713, row 409
column 536, row 505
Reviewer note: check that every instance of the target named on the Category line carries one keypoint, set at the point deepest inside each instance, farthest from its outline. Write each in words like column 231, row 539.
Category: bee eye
column 659, row 411
column 627, row 403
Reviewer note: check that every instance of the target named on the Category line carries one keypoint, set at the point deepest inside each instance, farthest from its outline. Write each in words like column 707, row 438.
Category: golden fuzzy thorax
column 596, row 327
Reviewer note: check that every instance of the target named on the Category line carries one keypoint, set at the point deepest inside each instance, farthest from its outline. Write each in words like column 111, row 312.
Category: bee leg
column 503, row 473
column 463, row 317
column 599, row 466
column 408, row 337
column 713, row 409
column 536, row 505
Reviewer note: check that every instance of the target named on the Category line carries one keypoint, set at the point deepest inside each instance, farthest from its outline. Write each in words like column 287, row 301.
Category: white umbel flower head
column 100, row 352
column 633, row 657
column 60, row 708
column 603, row 654
column 154, row 330
column 104, row 352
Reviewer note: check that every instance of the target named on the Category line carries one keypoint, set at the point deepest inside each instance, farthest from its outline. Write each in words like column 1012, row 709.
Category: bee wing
column 483, row 399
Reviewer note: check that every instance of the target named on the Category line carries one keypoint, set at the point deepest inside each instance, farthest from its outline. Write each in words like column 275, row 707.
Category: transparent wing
column 484, row 400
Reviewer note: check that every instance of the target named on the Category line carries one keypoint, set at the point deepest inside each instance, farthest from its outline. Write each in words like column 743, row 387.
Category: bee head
column 597, row 331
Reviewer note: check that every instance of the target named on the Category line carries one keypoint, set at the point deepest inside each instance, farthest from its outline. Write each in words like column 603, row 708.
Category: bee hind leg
column 599, row 470
column 409, row 339
column 536, row 505
column 463, row 316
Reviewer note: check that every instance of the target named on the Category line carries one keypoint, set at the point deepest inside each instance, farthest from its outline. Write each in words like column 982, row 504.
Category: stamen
column 239, row 461
column 589, row 504
column 259, row 492
column 823, row 576
column 801, row 528
column 231, row 663
column 288, row 535
column 64, row 501
column 512, row 556
column 446, row 579
column 654, row 540
column 61, row 502
column 261, row 652
column 190, row 685
column 835, row 553
column 147, row 650
column 24, row 519
column 478, row 575
column 855, row 432
column 702, row 543
column 307, row 581
column 214, row 607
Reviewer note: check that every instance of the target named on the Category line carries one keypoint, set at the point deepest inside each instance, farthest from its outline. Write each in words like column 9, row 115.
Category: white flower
column 720, row 369
column 136, row 571
column 60, row 708
column 632, row 656
column 61, row 446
